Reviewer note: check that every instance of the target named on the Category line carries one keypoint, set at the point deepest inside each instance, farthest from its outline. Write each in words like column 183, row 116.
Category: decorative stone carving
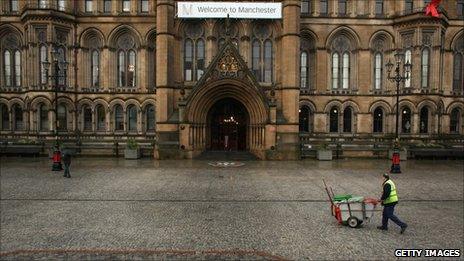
column 427, row 39
column 194, row 31
column 341, row 44
column 126, row 41
column 228, row 65
column 41, row 36
column 61, row 37
column 379, row 45
column 407, row 40
column 262, row 31
column 10, row 42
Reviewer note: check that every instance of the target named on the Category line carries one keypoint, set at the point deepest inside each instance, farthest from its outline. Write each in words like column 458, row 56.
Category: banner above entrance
column 251, row 10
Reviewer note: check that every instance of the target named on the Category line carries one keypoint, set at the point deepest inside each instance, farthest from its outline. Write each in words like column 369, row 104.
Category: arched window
column 256, row 60
column 43, row 118
column 262, row 53
column 132, row 118
column 458, row 64
column 347, row 119
column 118, row 118
column 406, row 120
column 333, row 119
column 11, row 59
column 346, row 71
column 95, row 68
column 43, row 59
column 424, row 120
column 62, row 118
column 425, row 67
column 101, row 118
column 305, row 119
column 188, row 60
column 378, row 120
column 61, row 70
column 304, row 70
column 5, row 117
column 455, row 121
column 267, row 61
column 127, row 60
column 150, row 117
column 200, row 59
column 378, row 69
column 408, row 58
column 87, row 111
column 194, row 52
column 307, row 62
column 18, row 117
column 341, row 66
column 7, row 67
column 335, row 73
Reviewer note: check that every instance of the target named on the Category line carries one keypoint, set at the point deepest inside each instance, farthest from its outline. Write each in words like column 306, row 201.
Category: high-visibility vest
column 393, row 197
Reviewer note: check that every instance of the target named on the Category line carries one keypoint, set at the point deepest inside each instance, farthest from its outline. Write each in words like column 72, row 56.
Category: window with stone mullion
column 425, row 61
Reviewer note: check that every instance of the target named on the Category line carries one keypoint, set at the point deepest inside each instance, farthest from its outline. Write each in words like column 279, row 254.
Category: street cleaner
column 389, row 199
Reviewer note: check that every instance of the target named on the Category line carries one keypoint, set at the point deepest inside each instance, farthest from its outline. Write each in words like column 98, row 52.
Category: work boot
column 403, row 229
column 382, row 228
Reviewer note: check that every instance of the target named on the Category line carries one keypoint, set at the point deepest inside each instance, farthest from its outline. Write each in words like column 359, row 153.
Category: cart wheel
column 353, row 222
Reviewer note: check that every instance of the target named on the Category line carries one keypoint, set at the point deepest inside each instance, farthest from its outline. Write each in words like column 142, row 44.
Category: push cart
column 349, row 210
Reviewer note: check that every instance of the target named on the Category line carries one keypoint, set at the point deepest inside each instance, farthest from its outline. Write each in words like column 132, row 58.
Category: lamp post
column 398, row 78
column 59, row 68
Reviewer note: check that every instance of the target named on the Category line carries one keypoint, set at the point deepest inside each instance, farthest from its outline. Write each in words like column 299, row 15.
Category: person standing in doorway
column 67, row 163
column 389, row 199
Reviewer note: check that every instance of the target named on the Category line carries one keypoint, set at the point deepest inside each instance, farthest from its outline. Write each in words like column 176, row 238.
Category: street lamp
column 397, row 78
column 59, row 67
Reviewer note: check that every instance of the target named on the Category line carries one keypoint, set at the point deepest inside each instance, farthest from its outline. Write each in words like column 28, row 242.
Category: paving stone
column 112, row 209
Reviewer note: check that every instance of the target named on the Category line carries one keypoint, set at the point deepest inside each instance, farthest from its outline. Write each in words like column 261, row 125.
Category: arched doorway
column 227, row 126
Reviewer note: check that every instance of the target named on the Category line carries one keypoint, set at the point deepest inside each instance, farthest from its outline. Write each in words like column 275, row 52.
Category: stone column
column 105, row 69
column 288, row 133
column 168, row 135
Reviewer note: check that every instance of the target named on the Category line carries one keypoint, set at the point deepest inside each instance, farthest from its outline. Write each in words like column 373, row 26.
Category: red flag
column 431, row 8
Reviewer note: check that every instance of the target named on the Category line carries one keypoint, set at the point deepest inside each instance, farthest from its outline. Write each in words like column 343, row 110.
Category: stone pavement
column 183, row 210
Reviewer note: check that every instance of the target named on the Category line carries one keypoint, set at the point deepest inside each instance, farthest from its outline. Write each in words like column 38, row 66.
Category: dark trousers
column 66, row 170
column 388, row 214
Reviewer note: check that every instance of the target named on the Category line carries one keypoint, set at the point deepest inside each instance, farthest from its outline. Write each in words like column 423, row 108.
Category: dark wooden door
column 228, row 121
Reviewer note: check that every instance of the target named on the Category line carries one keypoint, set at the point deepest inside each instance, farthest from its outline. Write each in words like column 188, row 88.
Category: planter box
column 324, row 154
column 403, row 154
column 132, row 154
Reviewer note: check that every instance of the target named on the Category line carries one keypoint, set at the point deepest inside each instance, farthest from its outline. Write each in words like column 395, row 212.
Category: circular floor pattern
column 226, row 164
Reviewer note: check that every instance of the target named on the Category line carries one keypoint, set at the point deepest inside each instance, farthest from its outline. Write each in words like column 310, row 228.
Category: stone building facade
column 266, row 86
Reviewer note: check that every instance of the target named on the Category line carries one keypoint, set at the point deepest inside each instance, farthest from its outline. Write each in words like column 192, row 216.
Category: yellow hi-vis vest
column 393, row 197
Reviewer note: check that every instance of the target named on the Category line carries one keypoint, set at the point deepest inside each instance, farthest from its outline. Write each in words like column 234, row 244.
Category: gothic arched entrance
column 228, row 121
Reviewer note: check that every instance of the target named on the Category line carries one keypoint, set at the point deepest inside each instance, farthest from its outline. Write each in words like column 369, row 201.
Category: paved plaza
column 117, row 209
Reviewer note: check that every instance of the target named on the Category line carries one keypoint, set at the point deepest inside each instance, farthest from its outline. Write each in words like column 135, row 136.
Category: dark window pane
column 455, row 119
column 107, row 6
column 256, row 58
column 334, row 120
column 305, row 7
column 132, row 118
column 409, row 6
column 144, row 6
column 62, row 124
column 188, row 60
column 406, row 120
column 347, row 120
column 87, row 119
column 118, row 118
column 304, row 119
column 379, row 7
column 424, row 120
column 323, row 5
column 101, row 118
column 378, row 120
column 5, row 120
column 150, row 114
column 43, row 118
column 342, row 7
column 18, row 117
